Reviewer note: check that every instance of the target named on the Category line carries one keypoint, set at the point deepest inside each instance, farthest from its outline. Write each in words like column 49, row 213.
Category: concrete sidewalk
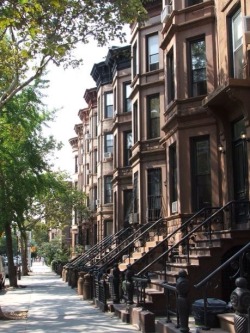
column 53, row 307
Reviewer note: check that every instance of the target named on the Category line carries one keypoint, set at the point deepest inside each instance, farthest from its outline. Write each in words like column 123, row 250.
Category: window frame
column 127, row 149
column 108, row 192
column 196, row 87
column 232, row 51
column 108, row 148
column 127, row 103
column 153, row 122
column 108, row 108
column 152, row 66
column 170, row 76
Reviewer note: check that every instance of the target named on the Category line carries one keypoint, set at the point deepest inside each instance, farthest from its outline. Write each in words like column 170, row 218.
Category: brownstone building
column 170, row 131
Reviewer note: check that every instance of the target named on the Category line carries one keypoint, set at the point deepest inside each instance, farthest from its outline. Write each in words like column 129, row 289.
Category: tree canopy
column 35, row 32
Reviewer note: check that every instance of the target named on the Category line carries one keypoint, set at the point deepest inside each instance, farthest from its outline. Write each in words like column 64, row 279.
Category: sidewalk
column 53, row 306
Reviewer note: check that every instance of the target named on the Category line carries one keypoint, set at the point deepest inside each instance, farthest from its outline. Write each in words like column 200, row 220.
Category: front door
column 240, row 168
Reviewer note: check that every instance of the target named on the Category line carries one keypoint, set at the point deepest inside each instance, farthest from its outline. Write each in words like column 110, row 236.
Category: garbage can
column 214, row 306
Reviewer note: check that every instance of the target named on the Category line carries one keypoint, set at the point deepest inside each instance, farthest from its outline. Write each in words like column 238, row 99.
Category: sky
column 65, row 93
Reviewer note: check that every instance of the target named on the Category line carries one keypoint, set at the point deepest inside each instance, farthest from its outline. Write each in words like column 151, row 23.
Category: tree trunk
column 12, row 268
column 24, row 244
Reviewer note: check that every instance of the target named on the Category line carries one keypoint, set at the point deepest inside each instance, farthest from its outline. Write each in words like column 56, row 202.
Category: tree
column 24, row 159
column 34, row 33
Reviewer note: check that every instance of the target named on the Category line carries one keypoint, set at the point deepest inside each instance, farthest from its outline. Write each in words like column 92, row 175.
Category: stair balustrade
column 240, row 274
column 207, row 221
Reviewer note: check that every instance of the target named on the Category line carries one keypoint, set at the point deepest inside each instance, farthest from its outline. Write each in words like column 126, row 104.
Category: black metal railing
column 137, row 240
column 204, row 283
column 219, row 219
column 104, row 246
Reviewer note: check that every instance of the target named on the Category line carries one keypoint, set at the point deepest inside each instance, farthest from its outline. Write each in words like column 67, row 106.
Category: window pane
column 237, row 35
column 153, row 53
column 127, row 148
column 198, row 67
column 154, row 116
column 108, row 189
column 109, row 143
column 127, row 100
column 109, row 105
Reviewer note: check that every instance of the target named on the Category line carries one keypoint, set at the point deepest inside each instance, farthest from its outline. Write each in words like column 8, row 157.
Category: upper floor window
column 127, row 147
column 108, row 143
column 76, row 164
column 153, row 108
column 135, row 65
column 197, row 54
column 109, row 103
column 135, row 121
column 170, row 76
column 152, row 52
column 126, row 94
column 108, row 193
column 237, row 45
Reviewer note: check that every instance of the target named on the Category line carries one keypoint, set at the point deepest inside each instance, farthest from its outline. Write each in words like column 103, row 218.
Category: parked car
column 2, row 272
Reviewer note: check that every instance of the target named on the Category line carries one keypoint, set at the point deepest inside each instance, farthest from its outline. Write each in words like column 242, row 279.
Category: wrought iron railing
column 137, row 240
column 205, row 282
column 214, row 218
column 100, row 249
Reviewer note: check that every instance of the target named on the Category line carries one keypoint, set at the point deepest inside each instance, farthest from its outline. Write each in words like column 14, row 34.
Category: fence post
column 240, row 300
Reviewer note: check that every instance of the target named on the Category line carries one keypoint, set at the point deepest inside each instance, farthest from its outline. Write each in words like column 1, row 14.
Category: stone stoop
column 227, row 322
column 143, row 320
column 163, row 327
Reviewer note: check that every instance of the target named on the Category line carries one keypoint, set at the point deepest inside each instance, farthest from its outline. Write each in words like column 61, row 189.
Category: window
column 108, row 228
column 128, row 205
column 152, row 53
column 237, row 46
column 135, row 193
column 108, row 189
column 172, row 174
column 170, row 76
column 197, row 50
column 109, row 105
column 153, row 107
column 127, row 147
column 76, row 164
column 135, row 121
column 201, row 172
column 135, row 66
column 108, row 143
column 126, row 94
column 154, row 194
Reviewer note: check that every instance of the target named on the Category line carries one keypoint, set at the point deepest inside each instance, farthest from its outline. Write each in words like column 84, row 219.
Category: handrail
column 205, row 222
column 114, row 250
column 152, row 225
column 226, row 263
column 183, row 226
column 100, row 246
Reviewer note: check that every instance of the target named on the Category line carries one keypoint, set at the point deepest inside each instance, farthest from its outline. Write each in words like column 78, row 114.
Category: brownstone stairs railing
column 99, row 250
column 195, row 246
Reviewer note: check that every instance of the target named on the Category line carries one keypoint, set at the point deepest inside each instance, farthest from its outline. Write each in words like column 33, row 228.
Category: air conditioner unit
column 107, row 155
column 87, row 136
column 246, row 27
column 97, row 202
column 133, row 218
column 174, row 207
column 88, row 172
column 166, row 12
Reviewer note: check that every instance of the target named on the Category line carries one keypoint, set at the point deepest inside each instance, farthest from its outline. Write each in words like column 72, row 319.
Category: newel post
column 183, row 287
column 240, row 300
